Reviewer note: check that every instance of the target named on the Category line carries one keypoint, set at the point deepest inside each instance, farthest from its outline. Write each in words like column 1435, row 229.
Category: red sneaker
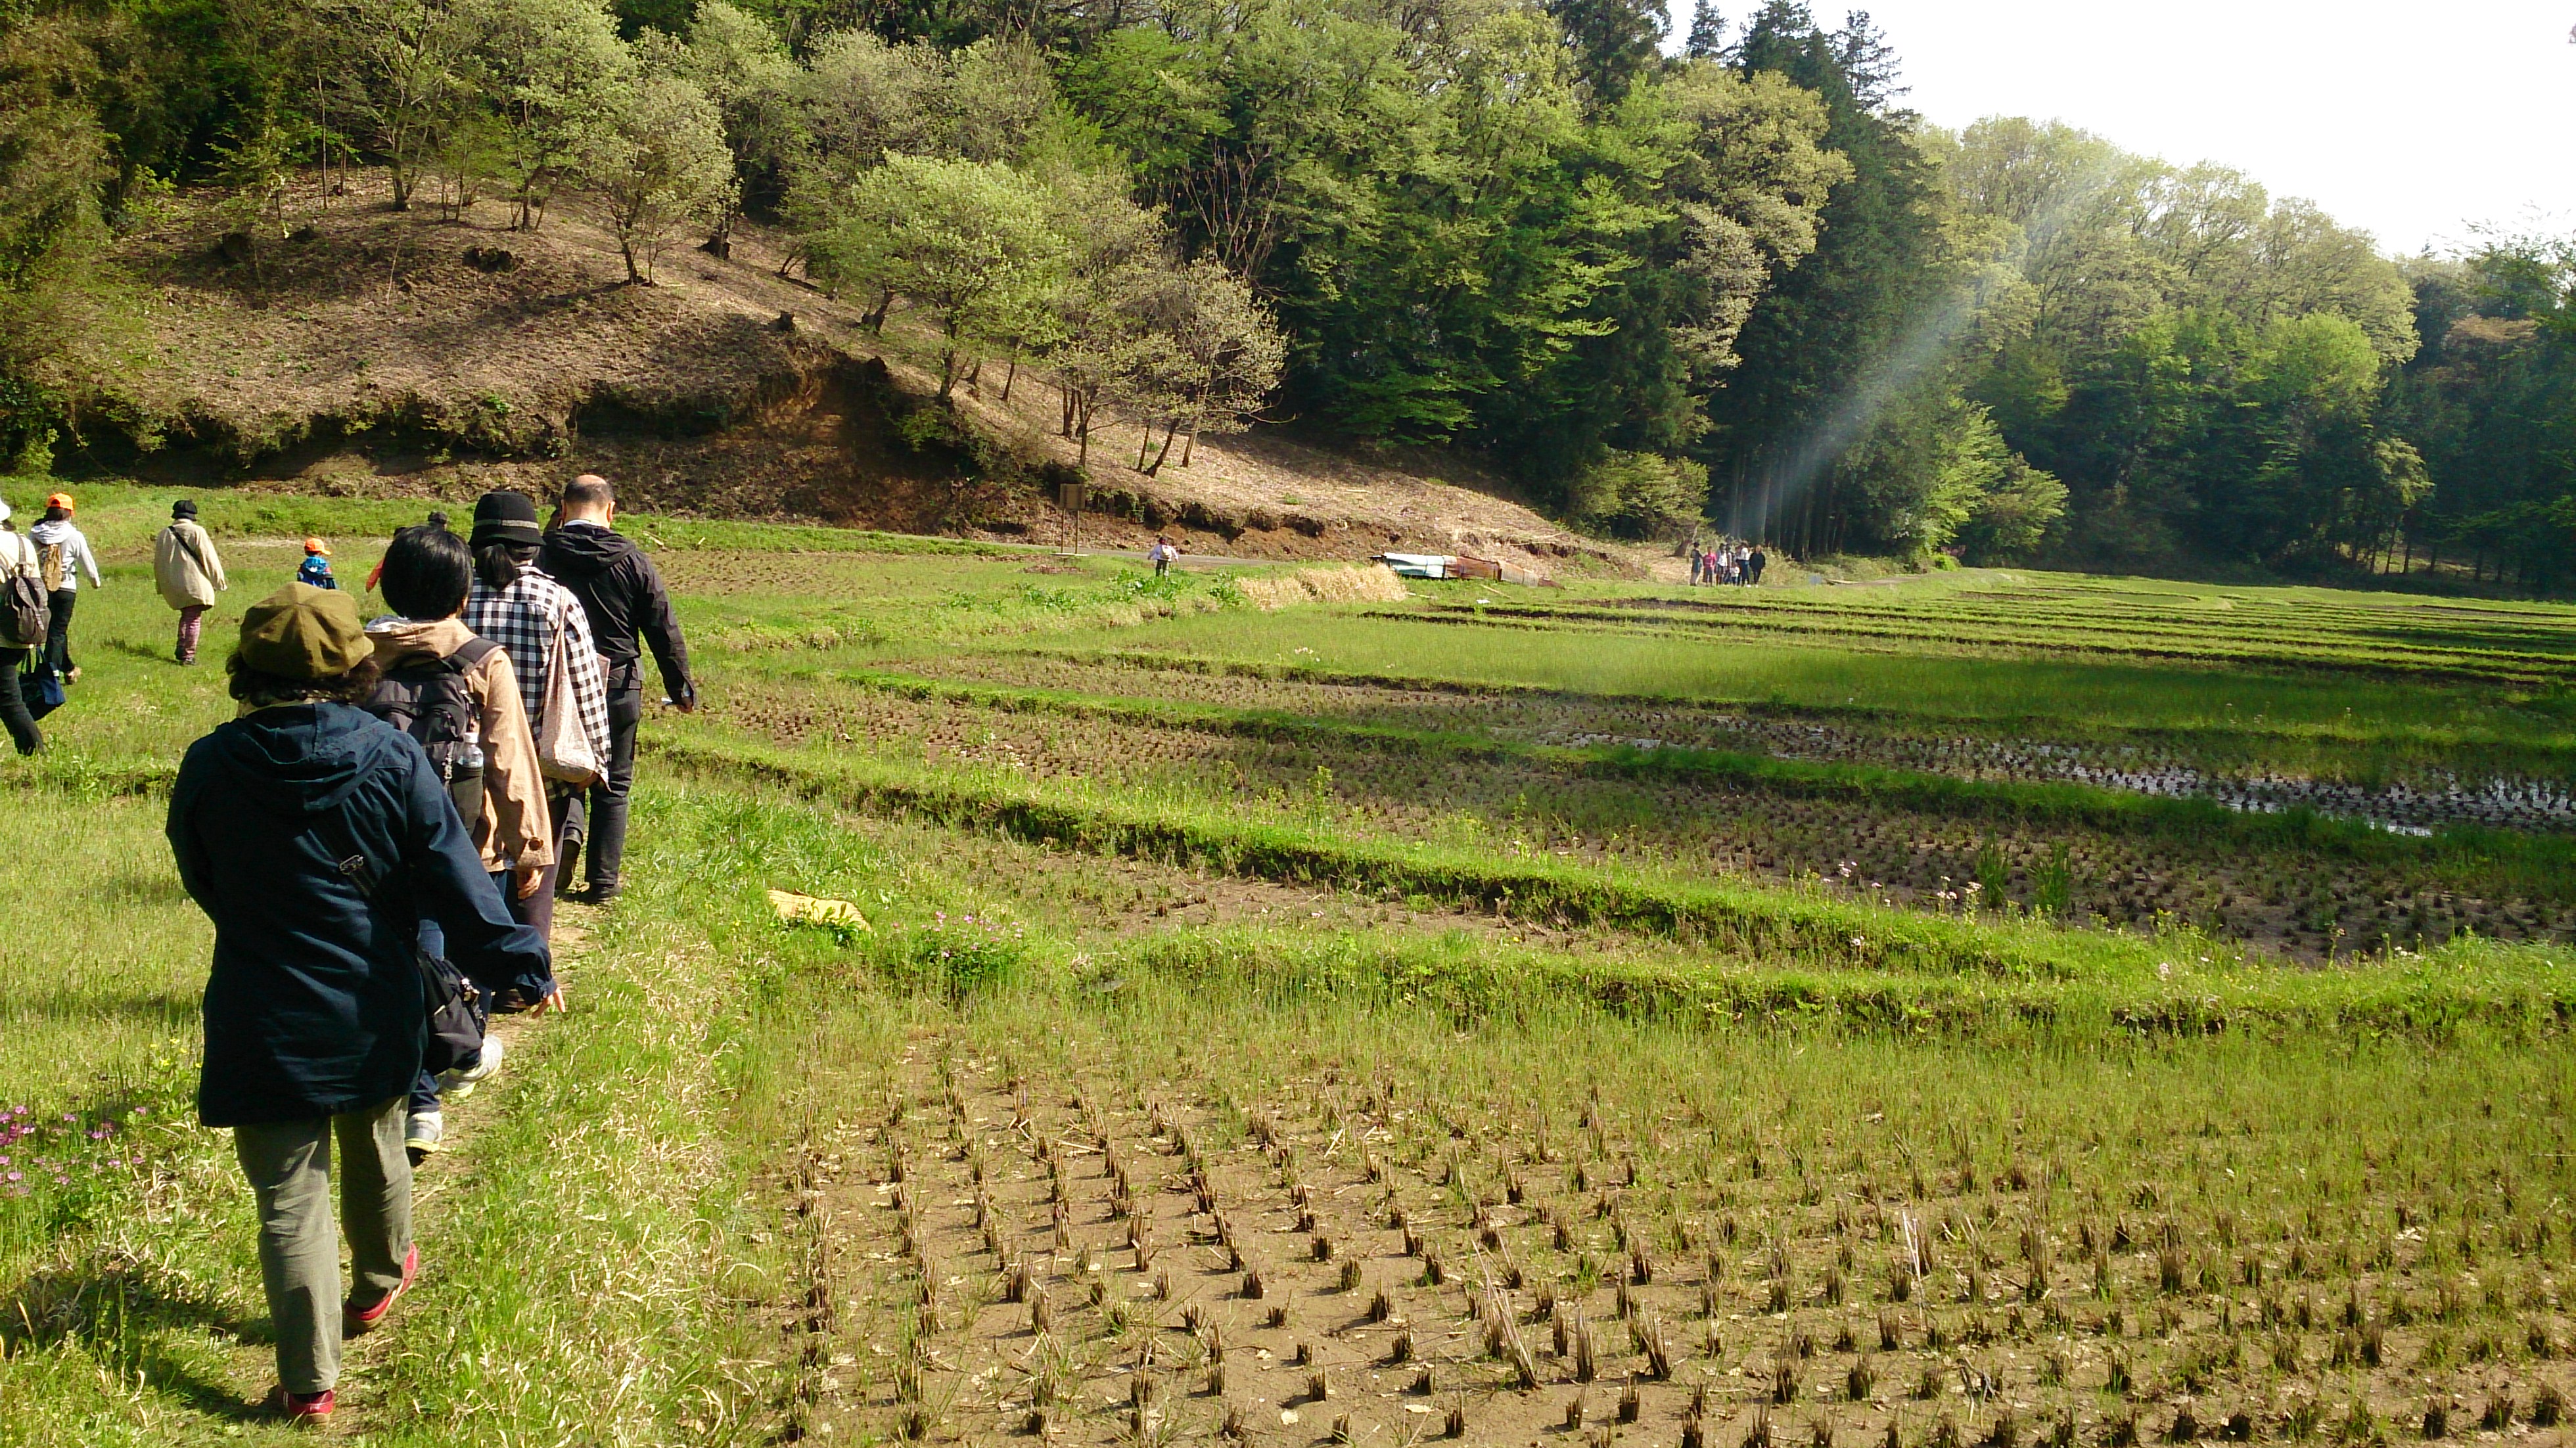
column 301, row 1407
column 355, row 1319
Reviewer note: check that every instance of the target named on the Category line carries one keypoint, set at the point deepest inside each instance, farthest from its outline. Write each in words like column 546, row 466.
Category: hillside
column 381, row 352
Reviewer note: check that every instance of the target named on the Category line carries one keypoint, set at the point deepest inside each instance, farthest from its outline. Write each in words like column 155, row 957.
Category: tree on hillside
column 1097, row 330
column 733, row 56
column 967, row 240
column 551, row 72
column 405, row 64
column 661, row 162
column 1210, row 357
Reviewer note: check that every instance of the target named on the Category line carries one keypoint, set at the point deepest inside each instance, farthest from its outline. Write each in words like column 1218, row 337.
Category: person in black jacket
column 317, row 837
column 629, row 612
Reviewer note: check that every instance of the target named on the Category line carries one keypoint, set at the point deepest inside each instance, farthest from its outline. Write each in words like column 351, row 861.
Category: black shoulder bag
column 456, row 1006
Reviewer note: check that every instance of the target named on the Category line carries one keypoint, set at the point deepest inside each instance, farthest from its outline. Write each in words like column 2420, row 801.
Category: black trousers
column 58, row 639
column 605, row 849
column 13, row 705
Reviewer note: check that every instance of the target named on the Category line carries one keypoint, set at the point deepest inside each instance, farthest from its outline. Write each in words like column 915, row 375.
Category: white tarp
column 1418, row 565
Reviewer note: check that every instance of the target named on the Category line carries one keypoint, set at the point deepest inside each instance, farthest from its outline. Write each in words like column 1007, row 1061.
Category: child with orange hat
column 317, row 565
column 63, row 554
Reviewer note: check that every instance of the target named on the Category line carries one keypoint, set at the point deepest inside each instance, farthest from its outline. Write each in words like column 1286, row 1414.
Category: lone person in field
column 188, row 572
column 316, row 838
column 629, row 611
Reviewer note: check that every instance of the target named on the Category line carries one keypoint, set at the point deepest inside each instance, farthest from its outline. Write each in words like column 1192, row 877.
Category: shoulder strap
column 190, row 545
column 468, row 655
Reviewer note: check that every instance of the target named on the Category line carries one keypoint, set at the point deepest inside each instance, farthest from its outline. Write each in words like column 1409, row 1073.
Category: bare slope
column 379, row 351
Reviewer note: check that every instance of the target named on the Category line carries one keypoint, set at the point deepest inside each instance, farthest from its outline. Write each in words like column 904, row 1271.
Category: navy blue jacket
column 315, row 1006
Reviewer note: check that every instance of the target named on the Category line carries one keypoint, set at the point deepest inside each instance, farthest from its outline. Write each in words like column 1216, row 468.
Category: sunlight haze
column 2410, row 121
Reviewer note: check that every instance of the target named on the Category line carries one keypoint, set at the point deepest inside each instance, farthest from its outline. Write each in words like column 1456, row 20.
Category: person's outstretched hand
column 554, row 1001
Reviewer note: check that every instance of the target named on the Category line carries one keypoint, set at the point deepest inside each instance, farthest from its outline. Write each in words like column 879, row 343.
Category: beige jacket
column 184, row 563
column 515, row 828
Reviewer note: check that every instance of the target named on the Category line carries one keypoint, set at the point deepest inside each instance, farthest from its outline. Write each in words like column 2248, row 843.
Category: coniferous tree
column 1707, row 39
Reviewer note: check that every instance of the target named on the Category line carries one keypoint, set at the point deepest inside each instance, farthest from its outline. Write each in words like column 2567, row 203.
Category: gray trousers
column 289, row 1167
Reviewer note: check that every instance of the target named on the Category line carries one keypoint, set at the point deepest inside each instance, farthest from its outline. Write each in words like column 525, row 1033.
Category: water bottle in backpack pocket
column 432, row 701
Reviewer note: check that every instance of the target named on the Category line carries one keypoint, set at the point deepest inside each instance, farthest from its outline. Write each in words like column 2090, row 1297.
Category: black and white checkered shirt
column 522, row 619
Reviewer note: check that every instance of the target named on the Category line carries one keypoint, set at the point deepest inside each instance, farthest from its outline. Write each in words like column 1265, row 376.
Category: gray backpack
column 26, row 611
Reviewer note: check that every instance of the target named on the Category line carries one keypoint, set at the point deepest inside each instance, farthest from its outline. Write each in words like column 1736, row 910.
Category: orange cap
column 59, row 500
column 315, row 545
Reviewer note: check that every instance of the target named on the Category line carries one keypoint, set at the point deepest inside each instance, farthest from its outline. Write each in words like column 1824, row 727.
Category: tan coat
column 515, row 829
column 186, row 566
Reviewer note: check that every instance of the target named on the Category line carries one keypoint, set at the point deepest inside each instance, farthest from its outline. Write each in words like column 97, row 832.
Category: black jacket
column 623, row 594
column 314, row 1005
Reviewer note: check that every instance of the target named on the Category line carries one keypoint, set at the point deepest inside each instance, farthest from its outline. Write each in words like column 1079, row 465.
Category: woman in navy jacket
column 315, row 1016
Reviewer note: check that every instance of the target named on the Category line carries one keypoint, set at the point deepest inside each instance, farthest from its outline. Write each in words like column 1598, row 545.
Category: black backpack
column 430, row 700
column 26, row 610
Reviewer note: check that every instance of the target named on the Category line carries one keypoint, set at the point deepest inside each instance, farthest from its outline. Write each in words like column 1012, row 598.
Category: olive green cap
column 303, row 632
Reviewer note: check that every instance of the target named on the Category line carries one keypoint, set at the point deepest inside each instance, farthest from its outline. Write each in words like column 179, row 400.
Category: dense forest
column 1728, row 282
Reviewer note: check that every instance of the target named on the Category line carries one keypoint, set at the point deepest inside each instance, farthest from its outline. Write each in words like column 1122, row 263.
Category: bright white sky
column 2411, row 121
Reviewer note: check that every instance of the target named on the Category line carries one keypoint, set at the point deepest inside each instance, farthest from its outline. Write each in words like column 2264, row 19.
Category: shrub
column 1644, row 496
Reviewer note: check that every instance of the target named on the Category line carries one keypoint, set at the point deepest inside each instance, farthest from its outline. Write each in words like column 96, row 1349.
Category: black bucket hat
column 506, row 517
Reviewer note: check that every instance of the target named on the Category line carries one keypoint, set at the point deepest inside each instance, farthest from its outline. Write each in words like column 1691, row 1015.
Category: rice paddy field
column 1993, row 1008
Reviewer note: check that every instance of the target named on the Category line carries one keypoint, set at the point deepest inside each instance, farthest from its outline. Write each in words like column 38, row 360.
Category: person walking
column 285, row 822
column 629, row 611
column 188, row 572
column 62, row 554
column 1161, row 555
column 17, row 560
column 456, row 694
column 541, row 626
column 1757, row 562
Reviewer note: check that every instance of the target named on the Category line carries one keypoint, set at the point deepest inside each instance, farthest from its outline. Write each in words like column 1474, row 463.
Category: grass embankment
column 1763, row 951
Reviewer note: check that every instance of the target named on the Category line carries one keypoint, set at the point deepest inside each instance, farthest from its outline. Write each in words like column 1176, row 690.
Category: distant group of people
column 1739, row 564
column 379, row 837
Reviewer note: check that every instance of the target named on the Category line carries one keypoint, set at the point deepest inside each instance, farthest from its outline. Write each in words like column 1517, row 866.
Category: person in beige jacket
column 190, row 574
column 427, row 573
column 495, row 772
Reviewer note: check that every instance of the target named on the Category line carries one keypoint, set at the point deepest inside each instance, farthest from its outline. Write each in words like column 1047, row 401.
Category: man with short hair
column 629, row 612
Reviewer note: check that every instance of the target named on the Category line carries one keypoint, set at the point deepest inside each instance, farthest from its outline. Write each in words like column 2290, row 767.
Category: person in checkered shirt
column 521, row 609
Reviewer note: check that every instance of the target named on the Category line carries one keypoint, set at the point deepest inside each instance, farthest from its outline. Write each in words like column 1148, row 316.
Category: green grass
column 630, row 1242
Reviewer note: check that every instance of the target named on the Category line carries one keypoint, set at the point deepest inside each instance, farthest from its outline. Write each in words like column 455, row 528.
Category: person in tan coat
column 185, row 565
column 457, row 694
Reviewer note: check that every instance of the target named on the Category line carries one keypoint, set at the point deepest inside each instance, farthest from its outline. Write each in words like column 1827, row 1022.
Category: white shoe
column 422, row 1132
column 458, row 1084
